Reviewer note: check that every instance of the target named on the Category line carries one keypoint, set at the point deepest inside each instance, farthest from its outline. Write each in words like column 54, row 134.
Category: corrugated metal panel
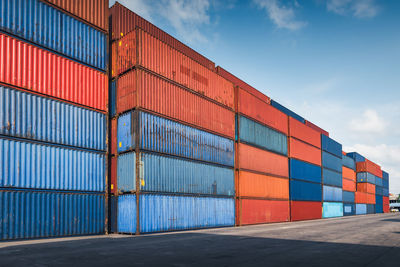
column 348, row 197
column 348, row 162
column 331, row 177
column 126, row 172
column 304, row 152
column 378, row 191
column 262, row 186
column 113, row 173
column 287, row 111
column 349, row 209
column 365, row 177
column 255, row 211
column 301, row 170
column 332, row 193
column 138, row 88
column 167, row 213
column 385, row 175
column 166, row 136
column 349, row 174
column 378, row 208
column 315, row 127
column 378, row 200
column 370, row 167
column 262, row 136
column 361, row 209
column 331, row 162
column 305, row 210
column 126, row 214
column 30, row 214
column 370, row 208
column 349, row 185
column 378, row 181
column 113, row 137
column 113, row 98
column 332, row 209
column 34, row 165
column 364, row 198
column 29, row 67
column 366, row 187
column 386, row 208
column 331, row 146
column 30, row 116
column 46, row 26
column 305, row 191
column 385, row 183
column 357, row 157
column 304, row 133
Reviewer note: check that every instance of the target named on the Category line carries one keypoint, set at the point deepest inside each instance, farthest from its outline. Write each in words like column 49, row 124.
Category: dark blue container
column 349, row 209
column 348, row 162
column 385, row 183
column 385, row 175
column 385, row 192
column 378, row 204
column 113, row 98
column 379, row 190
column 301, row 170
column 348, row 197
column 332, row 193
column 370, row 208
column 331, row 162
column 357, row 157
column 331, row 146
column 287, row 111
column 365, row 177
column 378, row 181
column 330, row 177
column 305, row 191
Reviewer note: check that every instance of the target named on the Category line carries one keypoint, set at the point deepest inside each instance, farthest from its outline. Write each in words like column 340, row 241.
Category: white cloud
column 369, row 123
column 281, row 15
column 357, row 8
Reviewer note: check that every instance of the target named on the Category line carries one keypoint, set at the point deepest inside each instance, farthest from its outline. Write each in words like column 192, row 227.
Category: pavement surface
column 368, row 240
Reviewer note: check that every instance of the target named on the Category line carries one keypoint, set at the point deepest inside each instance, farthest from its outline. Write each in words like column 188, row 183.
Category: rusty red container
column 257, row 211
column 124, row 21
column 315, row 127
column 369, row 166
column 29, row 67
column 113, row 136
column 305, row 210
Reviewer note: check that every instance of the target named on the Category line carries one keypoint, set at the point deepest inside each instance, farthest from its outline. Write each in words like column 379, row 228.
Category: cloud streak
column 356, row 8
column 370, row 122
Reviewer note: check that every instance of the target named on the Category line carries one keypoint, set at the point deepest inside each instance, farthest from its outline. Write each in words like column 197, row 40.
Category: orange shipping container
column 305, row 210
column 255, row 159
column 364, row 198
column 262, row 186
column 139, row 88
column 349, row 185
column 256, row 211
column 139, row 48
column 304, row 152
column 315, row 127
column 304, row 133
column 348, row 173
column 369, row 166
column 366, row 188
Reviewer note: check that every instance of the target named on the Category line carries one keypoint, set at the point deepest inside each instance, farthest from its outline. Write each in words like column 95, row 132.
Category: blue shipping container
column 331, row 146
column 126, row 214
column 174, row 175
column 259, row 135
column 365, row 177
column 348, row 197
column 112, row 99
column 349, row 209
column 331, row 162
column 48, row 27
column 357, row 157
column 305, row 191
column 378, row 181
column 30, row 214
column 166, row 136
column 370, row 208
column 385, row 175
column 378, row 208
column 34, row 117
column 332, row 209
column 287, row 111
column 361, row 209
column 301, row 170
column 385, row 183
column 331, row 177
column 379, row 190
column 348, row 162
column 35, row 165
column 385, row 192
column 332, row 193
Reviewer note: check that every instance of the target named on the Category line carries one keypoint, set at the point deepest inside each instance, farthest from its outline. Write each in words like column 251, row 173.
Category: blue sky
column 335, row 62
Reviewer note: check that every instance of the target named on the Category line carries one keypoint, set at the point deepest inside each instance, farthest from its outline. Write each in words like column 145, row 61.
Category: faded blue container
column 167, row 174
column 385, row 192
column 331, row 162
column 332, row 209
column 371, row 209
column 348, row 162
column 112, row 99
column 357, row 157
column 35, row 165
column 50, row 28
column 378, row 181
column 378, row 190
column 332, row 193
column 385, row 175
column 34, row 214
column 166, row 136
column 126, row 214
column 348, row 197
column 331, row 146
column 287, row 111
column 39, row 118
column 385, row 183
column 349, row 209
column 365, row 177
column 331, row 177
column 301, row 170
column 305, row 191
column 361, row 209
column 262, row 136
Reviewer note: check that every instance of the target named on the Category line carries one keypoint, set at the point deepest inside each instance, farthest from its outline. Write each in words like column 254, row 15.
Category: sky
column 334, row 62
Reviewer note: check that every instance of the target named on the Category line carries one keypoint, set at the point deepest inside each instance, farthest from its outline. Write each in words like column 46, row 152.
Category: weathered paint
column 332, row 193
column 256, row 211
column 332, row 209
column 361, row 209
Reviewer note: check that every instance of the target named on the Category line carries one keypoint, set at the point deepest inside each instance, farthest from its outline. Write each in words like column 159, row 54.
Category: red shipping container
column 304, row 133
column 348, row 173
column 139, row 88
column 264, row 113
column 304, row 152
column 255, row 159
column 349, row 185
column 262, row 186
column 113, row 136
column 124, row 21
column 29, row 67
column 113, row 168
column 386, row 204
column 366, row 188
column 256, row 211
column 315, row 127
column 369, row 166
column 305, row 210
column 94, row 12
column 139, row 48
column 364, row 198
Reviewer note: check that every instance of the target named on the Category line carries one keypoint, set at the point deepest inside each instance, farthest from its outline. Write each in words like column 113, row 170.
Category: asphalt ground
column 367, row 240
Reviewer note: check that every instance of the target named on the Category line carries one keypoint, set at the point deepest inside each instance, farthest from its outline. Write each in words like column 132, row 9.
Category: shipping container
column 257, row 211
column 361, row 209
column 302, row 151
column 331, row 162
column 305, row 191
column 370, row 208
column 36, row 165
column 365, row 177
column 332, row 209
column 331, row 178
column 301, row 170
column 348, row 185
column 124, row 21
column 385, row 192
column 125, row 211
column 385, row 183
column 385, row 201
column 34, row 117
column 304, row 133
column 366, row 188
column 287, row 111
column 331, row 146
column 385, row 175
column 348, row 197
column 378, row 181
column 315, row 127
column 378, row 208
column 261, row 136
column 378, row 190
column 95, row 12
column 305, row 210
column 113, row 175
column 166, row 136
column 40, row 23
column 112, row 94
column 159, row 173
column 348, row 162
column 332, row 193
column 262, row 186
column 349, row 209
column 357, row 157
column 255, row 159
column 349, row 174
column 364, row 198
column 34, row 214
column 368, row 166
column 29, row 67
column 113, row 137
column 139, row 88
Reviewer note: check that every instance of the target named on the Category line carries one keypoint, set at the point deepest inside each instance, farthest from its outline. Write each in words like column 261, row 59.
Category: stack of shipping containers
column 261, row 165
column 349, row 185
column 53, row 101
column 174, row 134
column 368, row 173
column 385, row 192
